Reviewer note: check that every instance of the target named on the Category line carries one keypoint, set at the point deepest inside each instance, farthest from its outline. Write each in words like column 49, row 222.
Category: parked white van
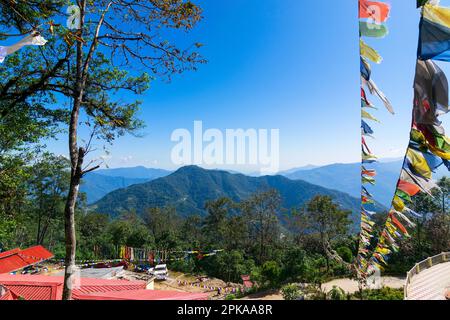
column 161, row 272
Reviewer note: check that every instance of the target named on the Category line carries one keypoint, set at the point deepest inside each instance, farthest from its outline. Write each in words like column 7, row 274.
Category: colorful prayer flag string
column 429, row 147
column 373, row 15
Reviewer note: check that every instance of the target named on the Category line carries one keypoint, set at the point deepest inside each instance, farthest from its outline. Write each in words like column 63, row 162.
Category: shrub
column 337, row 294
column 384, row 293
column 346, row 254
column 270, row 274
column 291, row 292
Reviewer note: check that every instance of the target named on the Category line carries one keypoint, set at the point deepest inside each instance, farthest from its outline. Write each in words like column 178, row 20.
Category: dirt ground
column 188, row 283
column 185, row 283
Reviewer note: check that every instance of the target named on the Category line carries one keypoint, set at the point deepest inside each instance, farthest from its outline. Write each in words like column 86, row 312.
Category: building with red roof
column 144, row 295
column 39, row 287
column 16, row 259
column 6, row 294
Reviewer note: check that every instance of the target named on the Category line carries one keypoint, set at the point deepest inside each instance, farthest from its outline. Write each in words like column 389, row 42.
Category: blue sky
column 289, row 65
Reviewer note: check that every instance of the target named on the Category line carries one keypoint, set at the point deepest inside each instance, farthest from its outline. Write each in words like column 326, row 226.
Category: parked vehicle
column 160, row 272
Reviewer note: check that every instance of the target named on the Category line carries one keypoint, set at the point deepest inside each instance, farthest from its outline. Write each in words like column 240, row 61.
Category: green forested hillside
column 190, row 187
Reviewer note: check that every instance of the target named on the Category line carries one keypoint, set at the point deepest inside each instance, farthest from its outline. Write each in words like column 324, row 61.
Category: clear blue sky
column 290, row 64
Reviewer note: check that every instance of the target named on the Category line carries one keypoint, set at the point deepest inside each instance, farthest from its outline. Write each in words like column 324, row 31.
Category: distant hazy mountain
column 346, row 178
column 190, row 187
column 99, row 183
column 305, row 168
column 134, row 172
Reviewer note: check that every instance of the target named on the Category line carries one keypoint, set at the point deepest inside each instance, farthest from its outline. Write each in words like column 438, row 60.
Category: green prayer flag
column 372, row 30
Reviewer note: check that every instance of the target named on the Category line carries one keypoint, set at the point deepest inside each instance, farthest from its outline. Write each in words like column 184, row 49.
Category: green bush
column 185, row 266
column 291, row 292
column 337, row 294
column 270, row 274
column 346, row 254
column 384, row 293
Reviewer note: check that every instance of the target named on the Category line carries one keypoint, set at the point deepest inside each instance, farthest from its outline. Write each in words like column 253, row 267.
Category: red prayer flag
column 408, row 188
column 375, row 10
column 399, row 225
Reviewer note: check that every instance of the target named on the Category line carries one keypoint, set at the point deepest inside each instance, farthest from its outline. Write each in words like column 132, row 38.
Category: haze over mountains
column 190, row 187
column 342, row 177
column 101, row 182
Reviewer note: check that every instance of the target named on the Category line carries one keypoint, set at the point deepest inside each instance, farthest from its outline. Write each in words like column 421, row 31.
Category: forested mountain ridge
column 189, row 188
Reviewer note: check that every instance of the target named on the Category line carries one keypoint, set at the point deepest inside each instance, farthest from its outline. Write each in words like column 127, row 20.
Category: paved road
column 430, row 284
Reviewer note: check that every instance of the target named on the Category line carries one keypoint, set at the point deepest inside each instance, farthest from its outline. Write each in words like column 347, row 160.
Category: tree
column 270, row 274
column 22, row 16
column 48, row 189
column 191, row 232
column 230, row 265
column 426, row 206
column 164, row 225
column 260, row 212
column 437, row 231
column 298, row 224
column 215, row 223
column 74, row 65
column 444, row 185
column 295, row 265
column 330, row 222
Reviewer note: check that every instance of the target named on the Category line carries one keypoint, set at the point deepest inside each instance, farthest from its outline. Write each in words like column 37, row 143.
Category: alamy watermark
column 375, row 13
column 73, row 21
column 253, row 147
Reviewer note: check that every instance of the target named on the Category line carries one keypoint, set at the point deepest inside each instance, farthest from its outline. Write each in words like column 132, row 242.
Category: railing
column 424, row 265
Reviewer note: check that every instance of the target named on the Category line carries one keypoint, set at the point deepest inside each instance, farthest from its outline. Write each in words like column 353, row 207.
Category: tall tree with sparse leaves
column 118, row 47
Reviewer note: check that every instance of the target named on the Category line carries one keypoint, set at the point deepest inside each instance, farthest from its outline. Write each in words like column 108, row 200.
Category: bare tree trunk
column 69, row 225
column 38, row 235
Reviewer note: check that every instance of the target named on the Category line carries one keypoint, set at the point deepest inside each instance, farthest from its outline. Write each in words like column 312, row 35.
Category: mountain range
column 190, row 187
column 342, row 177
column 101, row 182
column 346, row 178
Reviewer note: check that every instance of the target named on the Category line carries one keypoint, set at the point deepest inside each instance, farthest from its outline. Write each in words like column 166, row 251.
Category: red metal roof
column 144, row 295
column 33, row 287
column 8, row 253
column 88, row 286
column 39, row 287
column 8, row 295
column 17, row 259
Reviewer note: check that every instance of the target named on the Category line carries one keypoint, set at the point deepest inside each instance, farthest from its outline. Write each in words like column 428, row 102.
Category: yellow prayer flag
column 419, row 163
column 398, row 204
column 369, row 53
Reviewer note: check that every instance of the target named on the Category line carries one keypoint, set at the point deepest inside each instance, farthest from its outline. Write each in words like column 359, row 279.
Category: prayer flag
column 434, row 38
column 418, row 163
column 365, row 69
column 430, row 93
column 408, row 188
column 367, row 130
column 369, row 53
column 377, row 11
column 372, row 30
